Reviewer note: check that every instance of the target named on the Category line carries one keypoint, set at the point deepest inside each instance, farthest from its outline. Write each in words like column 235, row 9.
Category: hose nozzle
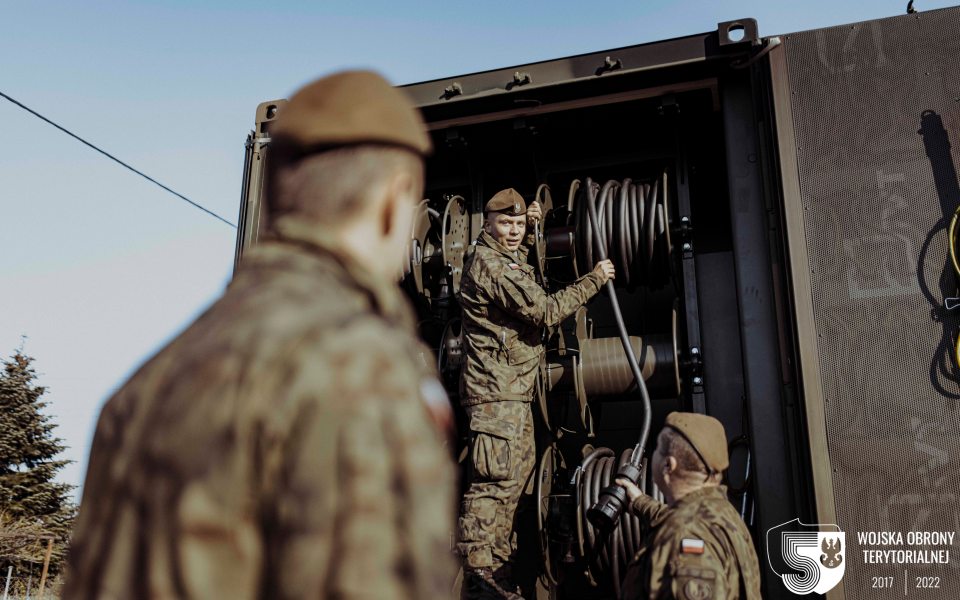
column 613, row 500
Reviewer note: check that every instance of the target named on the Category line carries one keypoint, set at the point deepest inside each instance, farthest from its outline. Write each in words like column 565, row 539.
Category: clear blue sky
column 100, row 268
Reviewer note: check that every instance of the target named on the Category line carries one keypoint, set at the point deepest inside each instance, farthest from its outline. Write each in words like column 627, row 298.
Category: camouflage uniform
column 666, row 568
column 504, row 314
column 282, row 446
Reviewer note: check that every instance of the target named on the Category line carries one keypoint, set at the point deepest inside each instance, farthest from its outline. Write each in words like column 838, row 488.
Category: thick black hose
column 637, row 454
column 611, row 551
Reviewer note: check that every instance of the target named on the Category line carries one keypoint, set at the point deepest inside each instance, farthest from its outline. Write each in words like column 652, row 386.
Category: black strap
column 710, row 470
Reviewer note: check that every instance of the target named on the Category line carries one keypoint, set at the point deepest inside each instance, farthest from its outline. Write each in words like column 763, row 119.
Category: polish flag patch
column 692, row 546
column 514, row 266
column 437, row 403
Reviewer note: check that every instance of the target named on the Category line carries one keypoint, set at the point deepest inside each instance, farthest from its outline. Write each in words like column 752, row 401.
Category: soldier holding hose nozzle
column 695, row 546
column 504, row 314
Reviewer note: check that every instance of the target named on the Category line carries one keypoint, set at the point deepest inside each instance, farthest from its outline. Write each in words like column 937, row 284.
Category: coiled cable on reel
column 634, row 227
column 614, row 551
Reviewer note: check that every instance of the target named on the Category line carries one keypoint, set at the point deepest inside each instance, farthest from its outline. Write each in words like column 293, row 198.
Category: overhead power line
column 117, row 160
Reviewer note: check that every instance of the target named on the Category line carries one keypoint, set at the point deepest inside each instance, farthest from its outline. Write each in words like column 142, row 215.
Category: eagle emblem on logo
column 831, row 558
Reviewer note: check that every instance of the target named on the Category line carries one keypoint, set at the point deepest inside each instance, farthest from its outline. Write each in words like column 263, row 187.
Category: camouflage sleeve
column 518, row 294
column 647, row 509
column 684, row 566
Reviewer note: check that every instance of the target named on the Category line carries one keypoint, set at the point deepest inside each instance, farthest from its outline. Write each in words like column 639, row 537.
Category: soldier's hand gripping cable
column 504, row 313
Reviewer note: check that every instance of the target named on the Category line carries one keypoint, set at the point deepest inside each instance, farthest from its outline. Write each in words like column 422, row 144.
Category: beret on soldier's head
column 706, row 434
column 349, row 108
column 508, row 202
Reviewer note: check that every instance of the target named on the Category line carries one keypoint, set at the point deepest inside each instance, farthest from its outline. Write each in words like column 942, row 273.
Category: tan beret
column 508, row 202
column 705, row 434
column 352, row 107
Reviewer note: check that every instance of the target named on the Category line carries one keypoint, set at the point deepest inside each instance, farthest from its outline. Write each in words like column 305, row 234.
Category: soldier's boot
column 504, row 578
column 478, row 583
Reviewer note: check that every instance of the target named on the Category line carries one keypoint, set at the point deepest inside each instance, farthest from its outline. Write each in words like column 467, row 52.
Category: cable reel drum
column 568, row 541
column 436, row 249
column 540, row 239
column 434, row 268
column 456, row 233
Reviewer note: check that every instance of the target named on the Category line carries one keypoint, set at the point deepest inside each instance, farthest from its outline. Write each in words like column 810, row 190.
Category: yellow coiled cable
column 952, row 237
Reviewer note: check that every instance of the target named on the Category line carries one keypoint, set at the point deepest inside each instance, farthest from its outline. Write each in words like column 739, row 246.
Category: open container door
column 868, row 127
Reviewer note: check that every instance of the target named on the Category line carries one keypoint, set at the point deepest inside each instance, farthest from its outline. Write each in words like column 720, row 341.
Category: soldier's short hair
column 688, row 463
column 332, row 186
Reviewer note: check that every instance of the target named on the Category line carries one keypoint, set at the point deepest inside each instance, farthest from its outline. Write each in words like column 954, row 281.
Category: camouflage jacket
column 504, row 313
column 281, row 447
column 698, row 549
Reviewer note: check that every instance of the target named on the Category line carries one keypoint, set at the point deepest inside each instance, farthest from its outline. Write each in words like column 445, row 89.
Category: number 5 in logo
column 813, row 560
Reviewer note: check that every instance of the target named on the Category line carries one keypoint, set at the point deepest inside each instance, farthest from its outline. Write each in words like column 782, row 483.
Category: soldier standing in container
column 504, row 314
column 289, row 443
column 696, row 547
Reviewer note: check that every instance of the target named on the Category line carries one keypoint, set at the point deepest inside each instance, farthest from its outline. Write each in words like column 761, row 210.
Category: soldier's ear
column 401, row 191
column 669, row 465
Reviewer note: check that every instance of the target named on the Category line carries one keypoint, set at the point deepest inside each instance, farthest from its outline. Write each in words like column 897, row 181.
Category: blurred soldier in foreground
column 289, row 443
column 504, row 313
column 696, row 547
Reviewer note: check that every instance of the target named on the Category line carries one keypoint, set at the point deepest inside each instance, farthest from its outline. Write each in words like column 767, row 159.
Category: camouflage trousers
column 502, row 452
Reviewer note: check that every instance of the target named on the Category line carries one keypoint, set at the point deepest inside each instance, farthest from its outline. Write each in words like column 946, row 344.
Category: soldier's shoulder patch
column 697, row 589
column 514, row 266
column 691, row 546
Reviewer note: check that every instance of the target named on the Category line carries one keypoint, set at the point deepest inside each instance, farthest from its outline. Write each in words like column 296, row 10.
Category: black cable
column 114, row 158
column 608, row 504
column 601, row 252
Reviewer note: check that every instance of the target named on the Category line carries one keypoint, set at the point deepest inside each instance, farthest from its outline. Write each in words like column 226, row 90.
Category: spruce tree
column 30, row 501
